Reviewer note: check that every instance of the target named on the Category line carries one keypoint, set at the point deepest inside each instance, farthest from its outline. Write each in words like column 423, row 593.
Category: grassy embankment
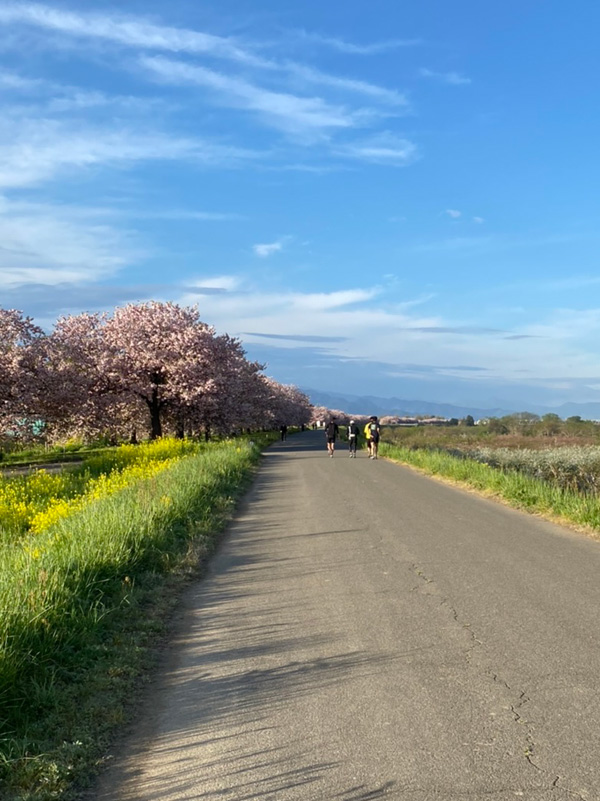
column 557, row 483
column 90, row 565
column 40, row 454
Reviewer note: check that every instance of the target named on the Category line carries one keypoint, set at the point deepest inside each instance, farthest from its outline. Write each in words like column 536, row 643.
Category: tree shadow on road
column 217, row 716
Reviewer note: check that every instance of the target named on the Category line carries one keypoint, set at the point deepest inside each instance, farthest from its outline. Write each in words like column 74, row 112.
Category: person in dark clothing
column 331, row 433
column 352, row 438
column 374, row 435
column 283, row 430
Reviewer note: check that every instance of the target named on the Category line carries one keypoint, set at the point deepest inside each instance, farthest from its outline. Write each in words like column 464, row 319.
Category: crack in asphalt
column 530, row 749
column 515, row 708
column 572, row 793
column 445, row 602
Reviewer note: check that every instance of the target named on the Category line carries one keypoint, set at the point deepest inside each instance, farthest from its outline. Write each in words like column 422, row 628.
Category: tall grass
column 519, row 489
column 74, row 617
column 574, row 467
column 31, row 503
column 16, row 453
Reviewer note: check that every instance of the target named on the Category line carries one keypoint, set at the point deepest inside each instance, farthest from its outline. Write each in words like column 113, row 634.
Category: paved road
column 367, row 633
column 49, row 467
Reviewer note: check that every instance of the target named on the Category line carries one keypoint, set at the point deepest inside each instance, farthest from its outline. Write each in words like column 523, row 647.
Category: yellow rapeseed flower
column 98, row 488
column 36, row 502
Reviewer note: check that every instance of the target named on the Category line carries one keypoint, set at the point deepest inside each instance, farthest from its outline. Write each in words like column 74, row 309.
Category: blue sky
column 377, row 198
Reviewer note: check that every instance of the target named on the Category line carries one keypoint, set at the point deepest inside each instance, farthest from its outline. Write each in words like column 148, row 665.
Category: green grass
column 76, row 452
column 40, row 456
column 517, row 489
column 79, row 619
column 29, row 502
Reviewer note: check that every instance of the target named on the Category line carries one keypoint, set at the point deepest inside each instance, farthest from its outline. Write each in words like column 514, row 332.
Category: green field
column 540, row 475
column 86, row 584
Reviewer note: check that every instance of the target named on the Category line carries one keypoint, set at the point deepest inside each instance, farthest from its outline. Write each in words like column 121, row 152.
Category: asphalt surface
column 49, row 467
column 365, row 632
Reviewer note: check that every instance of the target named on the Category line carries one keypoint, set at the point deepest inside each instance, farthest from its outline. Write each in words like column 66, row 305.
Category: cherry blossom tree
column 80, row 396
column 322, row 414
column 287, row 405
column 226, row 397
column 19, row 338
column 149, row 368
column 166, row 356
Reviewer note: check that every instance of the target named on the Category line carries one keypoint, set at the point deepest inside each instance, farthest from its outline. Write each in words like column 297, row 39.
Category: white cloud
column 320, row 169
column 356, row 324
column 281, row 95
column 181, row 214
column 10, row 80
column 68, row 98
column 347, row 324
column 452, row 78
column 120, row 211
column 128, row 31
column 478, row 220
column 269, row 249
column 228, row 283
column 339, row 313
column 332, row 300
column 384, row 148
column 65, row 248
column 45, row 96
column 359, row 324
column 282, row 110
column 454, row 213
column 139, row 33
column 357, row 49
column 312, row 75
column 36, row 150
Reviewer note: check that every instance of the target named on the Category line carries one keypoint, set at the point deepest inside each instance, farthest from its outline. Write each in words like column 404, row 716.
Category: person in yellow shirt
column 367, row 433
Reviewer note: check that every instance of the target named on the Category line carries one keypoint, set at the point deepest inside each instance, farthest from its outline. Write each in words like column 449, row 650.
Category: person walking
column 374, row 435
column 283, row 431
column 331, row 433
column 352, row 438
column 367, row 435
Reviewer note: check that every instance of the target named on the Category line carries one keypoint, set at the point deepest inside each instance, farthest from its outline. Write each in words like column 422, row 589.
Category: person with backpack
column 367, row 435
column 374, row 434
column 331, row 433
column 352, row 438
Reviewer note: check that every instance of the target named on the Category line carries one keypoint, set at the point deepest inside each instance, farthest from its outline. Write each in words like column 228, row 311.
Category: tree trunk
column 180, row 427
column 154, row 409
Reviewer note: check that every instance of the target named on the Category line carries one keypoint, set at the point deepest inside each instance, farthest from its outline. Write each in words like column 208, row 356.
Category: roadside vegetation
column 556, row 474
column 92, row 554
column 90, row 565
column 15, row 454
column 29, row 504
column 514, row 431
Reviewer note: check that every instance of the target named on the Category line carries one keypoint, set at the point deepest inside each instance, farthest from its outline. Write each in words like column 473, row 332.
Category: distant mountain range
column 368, row 404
